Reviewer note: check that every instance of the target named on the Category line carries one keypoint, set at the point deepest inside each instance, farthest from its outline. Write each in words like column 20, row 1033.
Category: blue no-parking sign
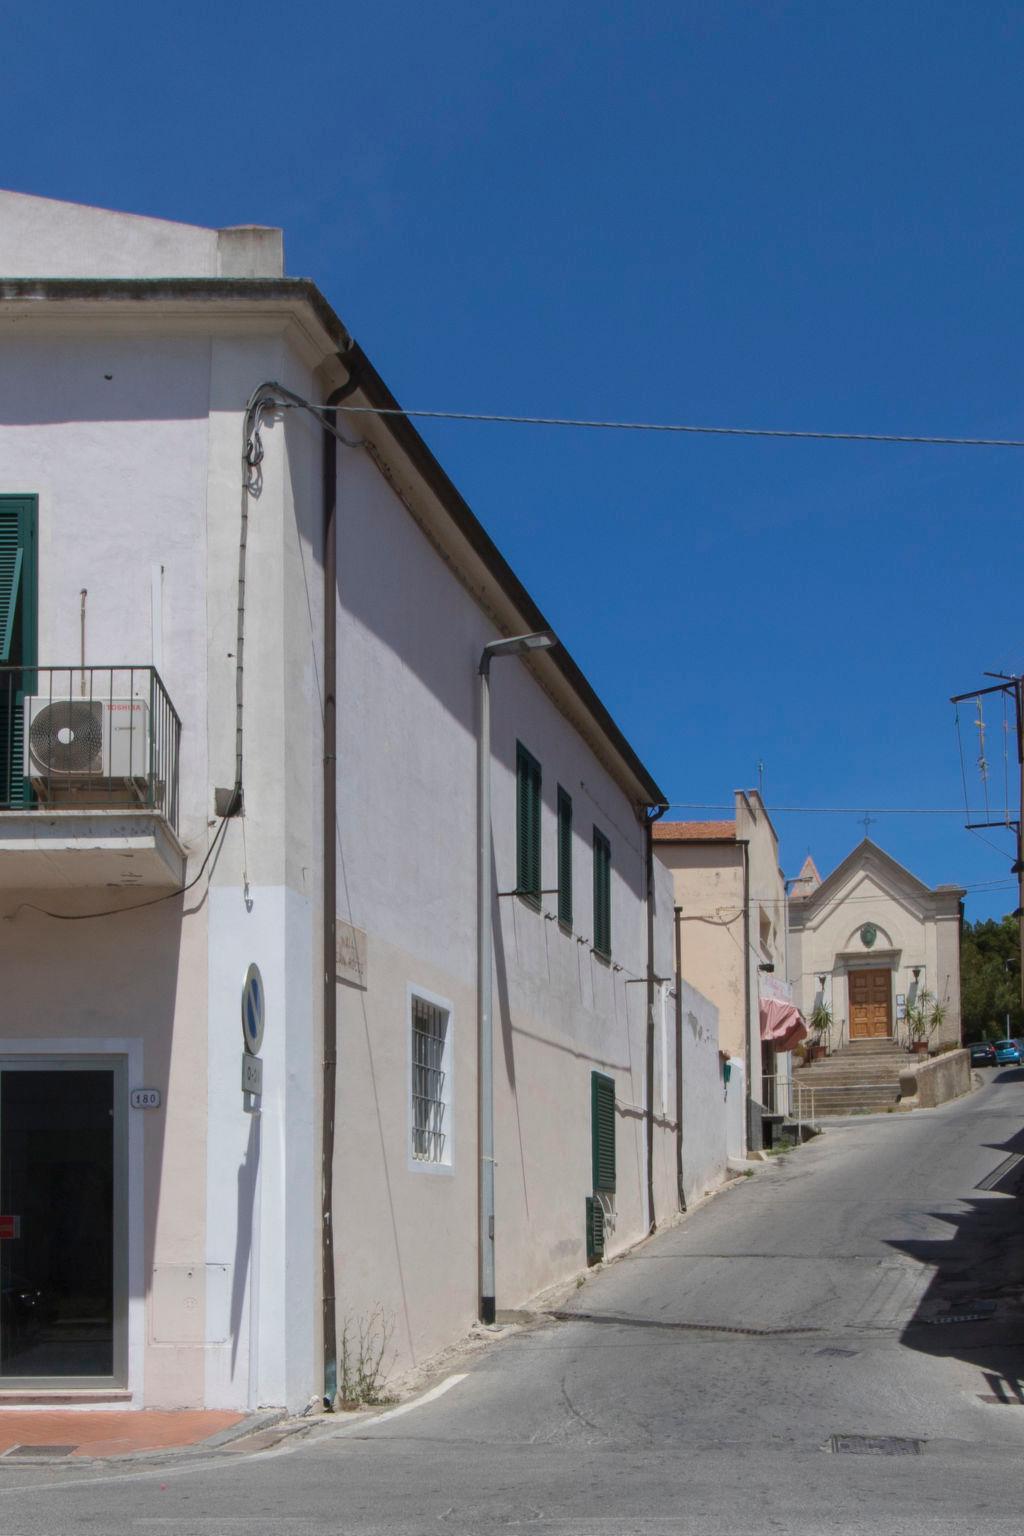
column 254, row 1009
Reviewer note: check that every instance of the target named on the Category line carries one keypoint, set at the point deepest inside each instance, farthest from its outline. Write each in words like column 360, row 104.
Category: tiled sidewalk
column 85, row 1432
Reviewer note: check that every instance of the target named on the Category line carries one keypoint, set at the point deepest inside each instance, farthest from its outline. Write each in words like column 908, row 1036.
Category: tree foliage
column 990, row 979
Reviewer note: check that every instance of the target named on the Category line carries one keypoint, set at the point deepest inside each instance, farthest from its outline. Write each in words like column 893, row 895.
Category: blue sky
column 780, row 214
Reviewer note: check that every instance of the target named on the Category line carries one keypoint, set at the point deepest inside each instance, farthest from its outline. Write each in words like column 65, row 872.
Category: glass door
column 63, row 1229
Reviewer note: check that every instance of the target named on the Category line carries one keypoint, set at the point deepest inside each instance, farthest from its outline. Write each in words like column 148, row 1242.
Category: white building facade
column 872, row 941
column 175, row 1242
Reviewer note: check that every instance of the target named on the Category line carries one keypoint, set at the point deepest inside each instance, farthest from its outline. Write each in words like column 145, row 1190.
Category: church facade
column 869, row 941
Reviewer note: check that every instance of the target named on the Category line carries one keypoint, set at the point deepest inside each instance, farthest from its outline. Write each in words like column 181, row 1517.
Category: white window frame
column 420, row 1164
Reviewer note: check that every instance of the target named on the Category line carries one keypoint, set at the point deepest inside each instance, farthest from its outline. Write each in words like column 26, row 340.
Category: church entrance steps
column 859, row 1078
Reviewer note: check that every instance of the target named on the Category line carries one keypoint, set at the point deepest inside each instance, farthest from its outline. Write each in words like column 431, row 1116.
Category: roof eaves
column 413, row 446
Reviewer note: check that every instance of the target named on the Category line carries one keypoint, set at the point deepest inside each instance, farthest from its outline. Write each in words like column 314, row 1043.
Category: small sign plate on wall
column 145, row 1098
column 349, row 954
column 252, row 1074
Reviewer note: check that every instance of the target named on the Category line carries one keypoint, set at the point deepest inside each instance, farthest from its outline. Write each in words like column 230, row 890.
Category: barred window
column 431, row 1082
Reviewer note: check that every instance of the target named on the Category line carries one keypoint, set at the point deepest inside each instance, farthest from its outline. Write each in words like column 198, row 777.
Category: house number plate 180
column 145, row 1098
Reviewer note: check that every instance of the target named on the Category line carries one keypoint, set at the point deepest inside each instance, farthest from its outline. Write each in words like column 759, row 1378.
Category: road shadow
column 973, row 1309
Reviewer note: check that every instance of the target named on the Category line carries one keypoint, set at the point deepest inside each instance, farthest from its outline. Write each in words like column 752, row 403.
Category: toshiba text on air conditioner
column 85, row 741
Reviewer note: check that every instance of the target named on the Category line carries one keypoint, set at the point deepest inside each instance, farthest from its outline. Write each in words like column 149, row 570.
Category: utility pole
column 1013, row 684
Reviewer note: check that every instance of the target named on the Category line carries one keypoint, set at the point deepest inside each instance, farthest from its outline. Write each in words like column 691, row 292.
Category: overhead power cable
column 824, row 810
column 690, row 428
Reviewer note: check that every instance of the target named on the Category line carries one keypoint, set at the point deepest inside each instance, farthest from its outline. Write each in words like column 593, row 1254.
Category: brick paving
column 105, row 1433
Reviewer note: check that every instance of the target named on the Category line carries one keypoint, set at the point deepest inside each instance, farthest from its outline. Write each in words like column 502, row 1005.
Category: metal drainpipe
column 652, row 814
column 330, row 896
column 679, row 1057
column 747, row 1053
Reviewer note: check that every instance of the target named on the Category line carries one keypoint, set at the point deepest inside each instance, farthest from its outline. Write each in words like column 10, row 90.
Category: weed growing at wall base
column 364, row 1347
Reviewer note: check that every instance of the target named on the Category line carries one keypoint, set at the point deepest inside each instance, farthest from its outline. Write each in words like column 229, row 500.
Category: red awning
column 782, row 1025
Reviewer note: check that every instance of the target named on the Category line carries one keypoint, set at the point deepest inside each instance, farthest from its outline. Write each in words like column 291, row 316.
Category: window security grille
column 429, row 1079
column 595, row 1230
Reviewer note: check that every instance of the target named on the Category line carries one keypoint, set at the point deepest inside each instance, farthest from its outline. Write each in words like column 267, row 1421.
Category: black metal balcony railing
column 90, row 738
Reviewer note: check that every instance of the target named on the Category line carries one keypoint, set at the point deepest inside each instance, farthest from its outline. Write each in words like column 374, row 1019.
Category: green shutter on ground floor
column 18, row 641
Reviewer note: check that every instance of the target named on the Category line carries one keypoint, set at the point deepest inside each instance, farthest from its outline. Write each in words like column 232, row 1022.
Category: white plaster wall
column 118, row 465
column 734, row 1095
column 666, row 1174
column 134, row 471
column 263, row 1190
column 409, row 644
column 42, row 237
column 142, row 469
column 704, row 1098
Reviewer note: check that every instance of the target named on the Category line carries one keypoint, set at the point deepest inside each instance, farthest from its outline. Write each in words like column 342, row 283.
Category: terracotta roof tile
column 693, row 831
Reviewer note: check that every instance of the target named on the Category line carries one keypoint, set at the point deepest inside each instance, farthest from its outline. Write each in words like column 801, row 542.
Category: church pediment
column 865, row 874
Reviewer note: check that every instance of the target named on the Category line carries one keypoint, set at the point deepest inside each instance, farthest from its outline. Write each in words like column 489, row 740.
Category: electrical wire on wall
column 267, row 397
column 137, row 906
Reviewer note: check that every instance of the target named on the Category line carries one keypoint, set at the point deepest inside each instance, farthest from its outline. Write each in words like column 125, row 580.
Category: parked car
column 983, row 1054
column 1007, row 1053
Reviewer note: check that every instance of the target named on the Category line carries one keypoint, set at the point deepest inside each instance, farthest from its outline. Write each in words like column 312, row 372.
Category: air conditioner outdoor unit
column 99, row 745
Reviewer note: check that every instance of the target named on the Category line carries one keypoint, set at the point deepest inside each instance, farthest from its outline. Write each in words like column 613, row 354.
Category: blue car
column 1007, row 1053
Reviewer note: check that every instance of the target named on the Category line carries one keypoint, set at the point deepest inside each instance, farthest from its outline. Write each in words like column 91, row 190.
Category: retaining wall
column 928, row 1083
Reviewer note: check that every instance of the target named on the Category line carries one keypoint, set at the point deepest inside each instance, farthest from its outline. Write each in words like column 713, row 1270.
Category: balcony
column 88, row 779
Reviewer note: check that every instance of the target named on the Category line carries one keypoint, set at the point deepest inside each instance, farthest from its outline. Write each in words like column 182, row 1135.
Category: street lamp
column 518, row 645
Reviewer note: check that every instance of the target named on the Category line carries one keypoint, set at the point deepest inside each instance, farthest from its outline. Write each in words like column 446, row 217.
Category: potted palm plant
column 924, row 1016
column 821, row 1028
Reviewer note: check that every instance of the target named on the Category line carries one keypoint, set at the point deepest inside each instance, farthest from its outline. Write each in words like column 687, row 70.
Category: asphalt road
column 700, row 1386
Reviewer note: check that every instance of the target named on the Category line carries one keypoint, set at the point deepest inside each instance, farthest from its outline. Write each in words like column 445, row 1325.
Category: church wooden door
column 870, row 1004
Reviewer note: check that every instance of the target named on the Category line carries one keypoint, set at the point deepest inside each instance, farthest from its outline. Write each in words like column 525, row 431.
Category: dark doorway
column 59, row 1228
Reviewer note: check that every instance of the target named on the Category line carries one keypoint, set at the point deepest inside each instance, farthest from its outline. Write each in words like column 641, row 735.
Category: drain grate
column 29, row 1451
column 873, row 1445
column 963, row 1312
column 998, row 1174
column 614, row 1320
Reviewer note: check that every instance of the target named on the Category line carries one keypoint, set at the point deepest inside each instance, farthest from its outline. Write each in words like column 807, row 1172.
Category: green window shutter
column 602, row 1131
column 564, row 857
column 527, row 825
column 595, row 1230
column 17, row 638
column 602, row 894
column 11, row 556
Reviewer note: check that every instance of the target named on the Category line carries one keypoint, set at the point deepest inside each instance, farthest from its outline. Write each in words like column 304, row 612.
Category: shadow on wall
column 248, row 1182
column 971, row 1310
column 501, row 997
